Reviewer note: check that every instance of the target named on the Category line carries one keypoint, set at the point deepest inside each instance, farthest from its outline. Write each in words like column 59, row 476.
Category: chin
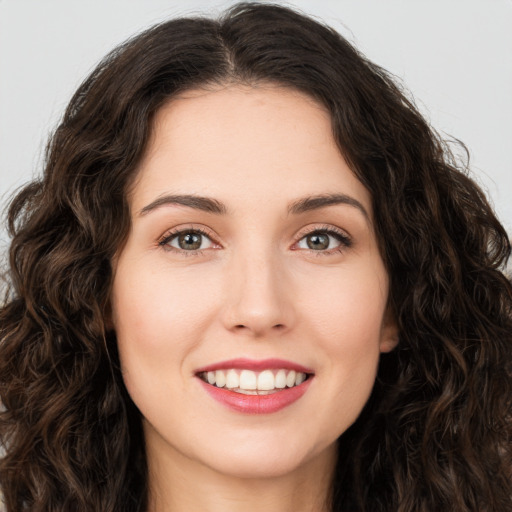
column 263, row 460
column 264, row 466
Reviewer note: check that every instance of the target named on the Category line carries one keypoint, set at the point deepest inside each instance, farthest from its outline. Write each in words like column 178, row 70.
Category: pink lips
column 255, row 366
column 256, row 404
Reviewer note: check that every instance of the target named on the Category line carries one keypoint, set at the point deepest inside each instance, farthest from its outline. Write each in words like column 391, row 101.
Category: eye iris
column 189, row 241
column 318, row 241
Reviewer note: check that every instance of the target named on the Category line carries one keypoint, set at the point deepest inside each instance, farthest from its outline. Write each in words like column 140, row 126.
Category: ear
column 389, row 332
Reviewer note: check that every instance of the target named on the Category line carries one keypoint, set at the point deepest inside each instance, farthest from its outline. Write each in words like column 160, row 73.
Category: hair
column 436, row 433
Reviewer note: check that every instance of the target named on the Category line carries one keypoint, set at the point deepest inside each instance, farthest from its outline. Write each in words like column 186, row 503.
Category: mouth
column 249, row 382
column 255, row 386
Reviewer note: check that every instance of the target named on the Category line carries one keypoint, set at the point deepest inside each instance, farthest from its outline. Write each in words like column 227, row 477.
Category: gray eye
column 190, row 241
column 319, row 241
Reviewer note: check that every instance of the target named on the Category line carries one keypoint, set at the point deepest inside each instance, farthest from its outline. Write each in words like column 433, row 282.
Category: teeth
column 248, row 380
column 300, row 378
column 220, row 379
column 280, row 379
column 232, row 379
column 266, row 380
column 252, row 383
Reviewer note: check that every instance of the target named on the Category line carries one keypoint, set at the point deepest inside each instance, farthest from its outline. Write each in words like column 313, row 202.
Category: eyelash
column 174, row 233
column 344, row 240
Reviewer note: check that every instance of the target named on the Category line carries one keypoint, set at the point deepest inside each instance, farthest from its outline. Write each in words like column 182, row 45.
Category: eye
column 188, row 240
column 325, row 240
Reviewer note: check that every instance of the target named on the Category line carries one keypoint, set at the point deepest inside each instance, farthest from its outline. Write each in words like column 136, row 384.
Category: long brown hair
column 436, row 433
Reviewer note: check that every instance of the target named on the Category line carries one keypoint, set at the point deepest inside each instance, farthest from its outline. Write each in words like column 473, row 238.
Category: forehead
column 241, row 143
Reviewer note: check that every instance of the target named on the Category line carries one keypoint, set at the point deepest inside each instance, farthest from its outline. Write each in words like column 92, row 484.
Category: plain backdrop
column 453, row 55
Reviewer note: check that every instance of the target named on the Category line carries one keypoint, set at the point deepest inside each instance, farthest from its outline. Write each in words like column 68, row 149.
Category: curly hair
column 436, row 433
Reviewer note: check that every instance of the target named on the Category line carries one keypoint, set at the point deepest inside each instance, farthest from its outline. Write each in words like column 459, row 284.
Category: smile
column 249, row 382
column 255, row 387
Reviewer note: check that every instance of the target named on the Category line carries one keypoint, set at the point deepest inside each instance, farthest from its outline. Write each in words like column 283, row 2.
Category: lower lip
column 257, row 404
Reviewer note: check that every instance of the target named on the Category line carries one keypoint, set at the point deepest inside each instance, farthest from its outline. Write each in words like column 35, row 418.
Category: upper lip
column 255, row 365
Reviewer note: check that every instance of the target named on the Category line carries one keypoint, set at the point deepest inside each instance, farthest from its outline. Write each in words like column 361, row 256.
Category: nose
column 259, row 296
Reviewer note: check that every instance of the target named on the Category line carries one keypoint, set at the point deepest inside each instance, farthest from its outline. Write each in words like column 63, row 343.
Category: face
column 252, row 257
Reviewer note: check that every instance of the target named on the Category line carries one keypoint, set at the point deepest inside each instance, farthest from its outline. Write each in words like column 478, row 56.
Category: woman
column 252, row 276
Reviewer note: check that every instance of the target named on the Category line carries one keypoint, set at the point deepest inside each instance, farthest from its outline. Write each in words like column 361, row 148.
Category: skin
column 253, row 289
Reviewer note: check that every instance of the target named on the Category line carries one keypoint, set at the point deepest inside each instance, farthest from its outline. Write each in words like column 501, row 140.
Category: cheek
column 346, row 321
column 348, row 309
column 158, row 320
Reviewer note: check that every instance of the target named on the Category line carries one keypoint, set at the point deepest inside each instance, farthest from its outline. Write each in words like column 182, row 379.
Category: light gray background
column 453, row 55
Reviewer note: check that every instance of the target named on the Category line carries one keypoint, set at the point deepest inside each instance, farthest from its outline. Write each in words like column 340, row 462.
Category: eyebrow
column 309, row 203
column 205, row 204
column 211, row 205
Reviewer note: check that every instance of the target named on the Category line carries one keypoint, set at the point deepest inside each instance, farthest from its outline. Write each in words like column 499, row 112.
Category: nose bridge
column 258, row 292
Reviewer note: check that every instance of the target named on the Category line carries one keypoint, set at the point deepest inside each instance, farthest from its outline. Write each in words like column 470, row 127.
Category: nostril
column 277, row 326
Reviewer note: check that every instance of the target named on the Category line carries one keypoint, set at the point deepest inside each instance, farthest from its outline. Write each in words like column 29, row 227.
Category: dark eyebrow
column 205, row 204
column 309, row 203
column 210, row 205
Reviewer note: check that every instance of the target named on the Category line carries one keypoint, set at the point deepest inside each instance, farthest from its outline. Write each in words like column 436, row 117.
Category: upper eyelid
column 301, row 232
column 173, row 232
column 305, row 231
column 323, row 229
